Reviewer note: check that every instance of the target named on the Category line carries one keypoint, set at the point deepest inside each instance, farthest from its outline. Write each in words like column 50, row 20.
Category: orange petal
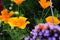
column 49, row 19
column 0, row 17
column 11, row 13
column 18, row 1
column 12, row 21
column 44, row 3
column 47, row 4
column 4, row 12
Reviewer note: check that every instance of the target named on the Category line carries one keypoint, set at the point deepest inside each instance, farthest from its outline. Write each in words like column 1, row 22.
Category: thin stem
column 46, row 13
column 0, row 23
column 57, row 14
column 43, row 12
column 3, row 28
column 18, row 10
column 52, row 11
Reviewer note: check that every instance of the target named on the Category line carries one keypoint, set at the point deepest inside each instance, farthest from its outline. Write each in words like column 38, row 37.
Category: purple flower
column 34, row 37
column 49, row 38
column 51, row 27
column 56, row 26
column 55, row 35
column 59, row 37
column 53, row 38
column 36, row 27
column 27, row 38
column 33, row 32
column 46, row 25
column 46, row 31
column 31, row 39
column 43, row 31
column 40, row 33
column 40, row 37
column 46, row 34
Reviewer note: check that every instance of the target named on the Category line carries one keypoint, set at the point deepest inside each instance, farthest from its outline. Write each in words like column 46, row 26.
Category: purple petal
column 46, row 34
column 55, row 26
column 46, row 31
column 49, row 38
column 58, row 28
column 36, row 27
column 46, row 25
column 56, row 35
column 34, row 32
column 43, row 31
column 51, row 27
column 31, row 39
column 59, row 37
column 27, row 38
column 40, row 33
column 53, row 38
column 34, row 37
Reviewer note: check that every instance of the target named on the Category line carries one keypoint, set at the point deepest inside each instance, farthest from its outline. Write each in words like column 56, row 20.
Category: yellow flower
column 49, row 19
column 12, row 21
column 22, row 22
column 18, row 22
column 5, row 15
column 18, row 2
column 44, row 3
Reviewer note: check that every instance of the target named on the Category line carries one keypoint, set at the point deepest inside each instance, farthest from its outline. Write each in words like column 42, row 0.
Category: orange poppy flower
column 22, row 22
column 49, row 19
column 18, row 2
column 44, row 3
column 5, row 15
column 13, row 21
column 18, row 22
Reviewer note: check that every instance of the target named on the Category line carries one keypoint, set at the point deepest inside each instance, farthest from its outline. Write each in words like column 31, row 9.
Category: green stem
column 3, row 35
column 43, row 12
column 57, row 14
column 0, row 23
column 46, row 13
column 18, row 10
column 52, row 11
column 43, row 15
